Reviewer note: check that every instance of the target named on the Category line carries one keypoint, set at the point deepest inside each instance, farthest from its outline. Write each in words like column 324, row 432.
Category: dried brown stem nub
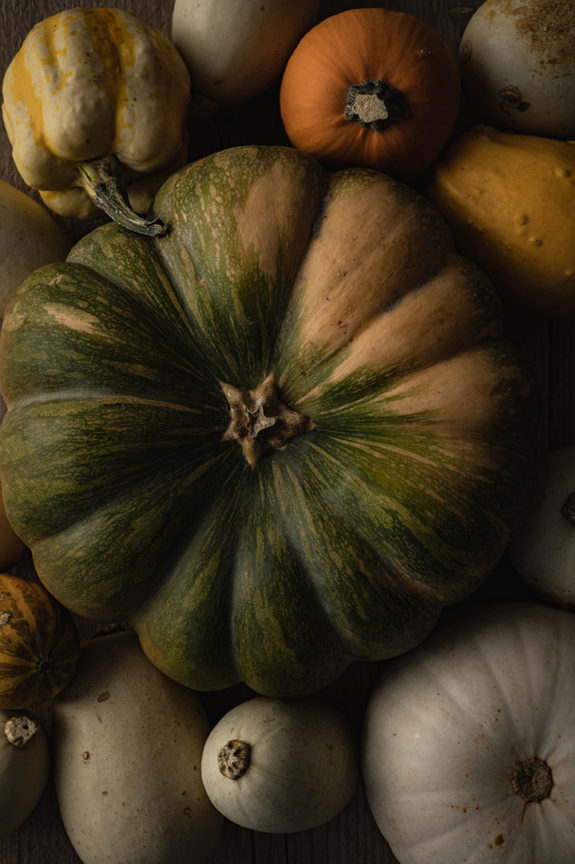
column 234, row 759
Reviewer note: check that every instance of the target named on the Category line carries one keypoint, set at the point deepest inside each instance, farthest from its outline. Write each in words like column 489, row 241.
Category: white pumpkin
column 517, row 61
column 279, row 766
column 236, row 49
column 469, row 741
column 543, row 553
column 127, row 748
column 24, row 768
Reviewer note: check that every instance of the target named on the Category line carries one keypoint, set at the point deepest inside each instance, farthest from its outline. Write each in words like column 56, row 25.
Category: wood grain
column 352, row 837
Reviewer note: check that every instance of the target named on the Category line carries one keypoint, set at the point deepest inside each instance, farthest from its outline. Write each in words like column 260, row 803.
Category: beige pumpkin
column 235, row 49
column 24, row 768
column 280, row 766
column 29, row 238
column 128, row 744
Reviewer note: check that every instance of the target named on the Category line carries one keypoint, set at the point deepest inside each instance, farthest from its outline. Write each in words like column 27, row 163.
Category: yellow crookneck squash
column 94, row 97
column 276, row 439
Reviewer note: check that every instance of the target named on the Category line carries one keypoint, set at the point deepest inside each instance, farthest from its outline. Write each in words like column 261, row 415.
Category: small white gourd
column 236, row 49
column 24, row 768
column 280, row 766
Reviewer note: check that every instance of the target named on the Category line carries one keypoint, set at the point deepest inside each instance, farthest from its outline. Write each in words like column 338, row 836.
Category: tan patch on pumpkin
column 263, row 220
column 371, row 251
column 82, row 322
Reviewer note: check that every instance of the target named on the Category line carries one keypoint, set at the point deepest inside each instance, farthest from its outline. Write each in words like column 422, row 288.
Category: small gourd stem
column 568, row 508
column 20, row 730
column 375, row 105
column 234, row 759
column 100, row 179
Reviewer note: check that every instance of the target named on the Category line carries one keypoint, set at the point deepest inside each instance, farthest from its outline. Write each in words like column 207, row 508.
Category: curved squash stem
column 101, row 182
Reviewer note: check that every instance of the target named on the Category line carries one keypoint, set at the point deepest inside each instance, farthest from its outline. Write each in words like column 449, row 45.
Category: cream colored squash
column 280, row 766
column 24, row 768
column 517, row 60
column 469, row 741
column 29, row 238
column 128, row 743
column 235, row 49
column 543, row 552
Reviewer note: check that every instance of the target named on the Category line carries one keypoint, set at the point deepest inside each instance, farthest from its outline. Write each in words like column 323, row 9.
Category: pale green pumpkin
column 277, row 439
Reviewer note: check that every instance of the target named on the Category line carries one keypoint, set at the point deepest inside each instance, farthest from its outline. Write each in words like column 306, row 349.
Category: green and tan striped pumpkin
column 39, row 644
column 275, row 440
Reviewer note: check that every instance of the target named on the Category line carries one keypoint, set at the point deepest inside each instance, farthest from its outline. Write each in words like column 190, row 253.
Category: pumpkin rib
column 235, row 287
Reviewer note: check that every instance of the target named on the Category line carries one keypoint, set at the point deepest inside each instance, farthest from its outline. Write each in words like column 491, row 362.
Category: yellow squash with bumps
column 510, row 202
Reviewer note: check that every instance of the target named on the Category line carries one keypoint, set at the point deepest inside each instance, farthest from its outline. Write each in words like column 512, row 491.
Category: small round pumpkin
column 371, row 87
column 280, row 766
column 24, row 768
column 276, row 439
column 39, row 644
column 469, row 741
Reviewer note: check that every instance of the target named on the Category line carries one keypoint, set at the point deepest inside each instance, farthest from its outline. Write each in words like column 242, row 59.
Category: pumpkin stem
column 532, row 780
column 19, row 731
column 259, row 420
column 100, row 179
column 234, row 759
column 375, row 105
column 568, row 508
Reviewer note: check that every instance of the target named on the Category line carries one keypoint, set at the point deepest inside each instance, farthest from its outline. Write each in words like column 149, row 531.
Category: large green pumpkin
column 277, row 439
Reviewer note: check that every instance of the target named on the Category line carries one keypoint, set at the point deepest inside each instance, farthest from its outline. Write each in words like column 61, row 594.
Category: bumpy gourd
column 510, row 201
column 94, row 97
column 280, row 437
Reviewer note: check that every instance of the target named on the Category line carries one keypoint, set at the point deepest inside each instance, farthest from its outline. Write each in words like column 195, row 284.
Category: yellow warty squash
column 510, row 202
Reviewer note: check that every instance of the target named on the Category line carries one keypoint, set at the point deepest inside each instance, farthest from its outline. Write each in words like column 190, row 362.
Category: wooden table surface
column 352, row 837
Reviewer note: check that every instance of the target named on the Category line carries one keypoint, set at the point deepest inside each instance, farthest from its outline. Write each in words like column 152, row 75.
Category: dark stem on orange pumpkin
column 375, row 105
column 259, row 420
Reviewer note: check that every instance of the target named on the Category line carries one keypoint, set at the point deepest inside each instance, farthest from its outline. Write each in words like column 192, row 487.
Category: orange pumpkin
column 373, row 88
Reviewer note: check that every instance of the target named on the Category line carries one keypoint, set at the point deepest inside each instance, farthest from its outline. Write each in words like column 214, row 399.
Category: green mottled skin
column 346, row 543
